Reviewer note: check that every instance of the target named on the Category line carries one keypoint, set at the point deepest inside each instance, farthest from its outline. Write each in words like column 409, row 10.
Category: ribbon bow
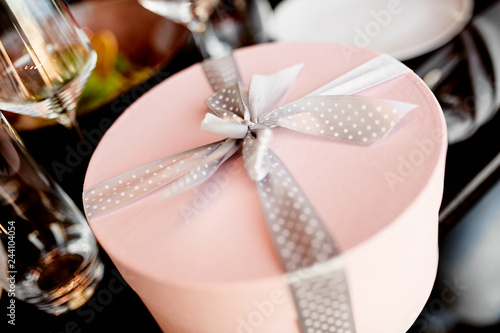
column 301, row 239
column 248, row 115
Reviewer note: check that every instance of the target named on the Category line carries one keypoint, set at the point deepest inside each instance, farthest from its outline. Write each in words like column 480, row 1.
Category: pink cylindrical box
column 204, row 260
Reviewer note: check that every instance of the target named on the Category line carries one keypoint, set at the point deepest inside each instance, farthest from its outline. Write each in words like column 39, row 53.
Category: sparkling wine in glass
column 45, row 60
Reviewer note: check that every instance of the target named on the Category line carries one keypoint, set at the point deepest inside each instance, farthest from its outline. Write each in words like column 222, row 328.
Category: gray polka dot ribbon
column 307, row 250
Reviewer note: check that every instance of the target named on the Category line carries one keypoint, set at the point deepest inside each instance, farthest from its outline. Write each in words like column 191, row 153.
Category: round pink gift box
column 204, row 260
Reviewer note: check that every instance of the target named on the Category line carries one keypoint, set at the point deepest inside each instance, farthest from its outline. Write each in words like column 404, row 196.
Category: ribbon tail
column 373, row 72
column 255, row 152
column 307, row 251
column 203, row 170
column 139, row 182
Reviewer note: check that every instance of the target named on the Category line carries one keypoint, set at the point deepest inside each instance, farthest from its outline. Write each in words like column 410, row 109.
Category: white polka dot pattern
column 304, row 244
column 227, row 103
column 173, row 174
column 221, row 72
column 299, row 233
column 203, row 170
column 357, row 119
column 322, row 299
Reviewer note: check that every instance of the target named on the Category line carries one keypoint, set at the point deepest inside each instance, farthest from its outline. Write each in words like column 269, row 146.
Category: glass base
column 71, row 294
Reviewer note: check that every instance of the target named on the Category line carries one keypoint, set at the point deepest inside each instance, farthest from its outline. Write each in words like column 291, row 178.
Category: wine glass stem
column 200, row 42
column 77, row 128
column 207, row 41
column 70, row 122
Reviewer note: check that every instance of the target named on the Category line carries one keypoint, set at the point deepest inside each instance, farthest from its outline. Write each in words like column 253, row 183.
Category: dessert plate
column 404, row 29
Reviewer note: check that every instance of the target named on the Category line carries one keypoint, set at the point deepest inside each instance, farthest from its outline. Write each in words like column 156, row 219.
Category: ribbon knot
column 241, row 114
column 255, row 137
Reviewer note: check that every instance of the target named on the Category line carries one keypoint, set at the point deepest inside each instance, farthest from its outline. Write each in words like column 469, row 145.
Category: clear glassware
column 46, row 246
column 217, row 26
column 45, row 60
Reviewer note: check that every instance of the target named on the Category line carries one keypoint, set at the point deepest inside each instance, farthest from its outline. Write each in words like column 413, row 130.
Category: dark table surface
column 115, row 307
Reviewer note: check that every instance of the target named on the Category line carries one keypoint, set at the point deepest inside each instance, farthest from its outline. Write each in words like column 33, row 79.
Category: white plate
column 402, row 28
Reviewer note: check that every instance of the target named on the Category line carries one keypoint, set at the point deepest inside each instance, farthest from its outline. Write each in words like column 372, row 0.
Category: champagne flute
column 194, row 14
column 45, row 60
column 48, row 254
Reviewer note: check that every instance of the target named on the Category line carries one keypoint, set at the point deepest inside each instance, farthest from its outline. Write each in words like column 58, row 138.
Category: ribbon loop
column 356, row 119
column 267, row 90
column 227, row 100
column 223, row 126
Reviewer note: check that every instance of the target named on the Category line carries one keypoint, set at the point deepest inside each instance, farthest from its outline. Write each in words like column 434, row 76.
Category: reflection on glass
column 45, row 59
column 56, row 256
